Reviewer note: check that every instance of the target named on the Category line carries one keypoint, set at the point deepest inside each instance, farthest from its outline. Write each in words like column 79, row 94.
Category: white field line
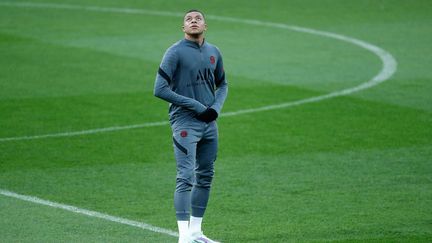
column 85, row 132
column 389, row 64
column 90, row 213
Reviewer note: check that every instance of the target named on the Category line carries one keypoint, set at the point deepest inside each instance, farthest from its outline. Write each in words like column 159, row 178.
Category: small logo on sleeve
column 212, row 60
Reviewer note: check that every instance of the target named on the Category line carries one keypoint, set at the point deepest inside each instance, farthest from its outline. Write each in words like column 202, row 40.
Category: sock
column 195, row 224
column 183, row 227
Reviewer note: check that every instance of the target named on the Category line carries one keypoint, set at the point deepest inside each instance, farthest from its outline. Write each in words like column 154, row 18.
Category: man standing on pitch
column 191, row 78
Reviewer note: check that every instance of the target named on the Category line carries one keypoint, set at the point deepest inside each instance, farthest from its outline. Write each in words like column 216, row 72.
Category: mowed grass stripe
column 56, row 70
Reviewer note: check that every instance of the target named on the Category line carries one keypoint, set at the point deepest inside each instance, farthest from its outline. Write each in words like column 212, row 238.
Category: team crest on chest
column 212, row 60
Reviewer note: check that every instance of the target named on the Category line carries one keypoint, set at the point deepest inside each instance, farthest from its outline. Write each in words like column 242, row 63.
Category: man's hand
column 208, row 115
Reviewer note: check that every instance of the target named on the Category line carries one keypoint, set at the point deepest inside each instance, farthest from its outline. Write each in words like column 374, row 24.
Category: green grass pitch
column 354, row 168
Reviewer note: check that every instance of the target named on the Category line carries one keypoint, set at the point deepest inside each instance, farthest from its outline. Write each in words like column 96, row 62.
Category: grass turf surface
column 355, row 168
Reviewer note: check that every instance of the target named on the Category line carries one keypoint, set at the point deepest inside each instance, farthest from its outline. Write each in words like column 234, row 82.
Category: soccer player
column 191, row 78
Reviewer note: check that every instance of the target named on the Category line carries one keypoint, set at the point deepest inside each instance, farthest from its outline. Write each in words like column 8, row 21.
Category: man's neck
column 195, row 38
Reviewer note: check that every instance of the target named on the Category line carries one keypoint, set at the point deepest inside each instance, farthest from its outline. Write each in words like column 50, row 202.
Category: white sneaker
column 199, row 237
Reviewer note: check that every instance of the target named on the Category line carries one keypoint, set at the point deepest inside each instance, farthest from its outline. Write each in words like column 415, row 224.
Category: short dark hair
column 195, row 10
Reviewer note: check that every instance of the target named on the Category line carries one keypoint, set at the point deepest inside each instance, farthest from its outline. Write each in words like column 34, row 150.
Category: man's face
column 194, row 23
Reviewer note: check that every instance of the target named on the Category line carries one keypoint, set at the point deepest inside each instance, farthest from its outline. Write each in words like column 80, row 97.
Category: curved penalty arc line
column 389, row 63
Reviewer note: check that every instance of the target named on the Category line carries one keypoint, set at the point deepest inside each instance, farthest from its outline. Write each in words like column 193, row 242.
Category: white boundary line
column 388, row 61
column 85, row 132
column 90, row 213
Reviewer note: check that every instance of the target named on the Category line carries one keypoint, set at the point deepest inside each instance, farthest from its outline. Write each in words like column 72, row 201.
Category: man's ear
column 183, row 28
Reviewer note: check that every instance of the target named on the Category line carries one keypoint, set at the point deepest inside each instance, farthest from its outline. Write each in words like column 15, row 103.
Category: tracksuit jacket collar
column 193, row 43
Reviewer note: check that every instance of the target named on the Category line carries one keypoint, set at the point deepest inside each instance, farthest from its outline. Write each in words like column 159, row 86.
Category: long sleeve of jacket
column 162, row 87
column 221, row 86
